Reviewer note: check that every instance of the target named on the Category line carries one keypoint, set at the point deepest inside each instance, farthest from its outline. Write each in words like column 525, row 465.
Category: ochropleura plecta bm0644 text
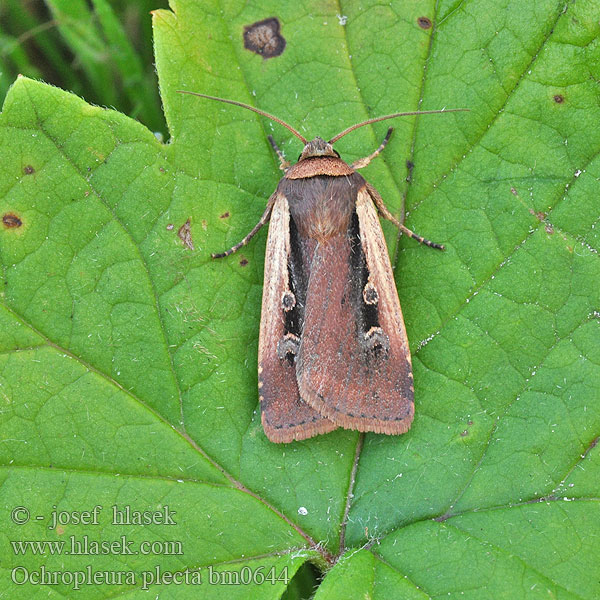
column 332, row 350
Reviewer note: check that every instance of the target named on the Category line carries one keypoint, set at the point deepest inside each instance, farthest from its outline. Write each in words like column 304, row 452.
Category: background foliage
column 127, row 359
column 100, row 50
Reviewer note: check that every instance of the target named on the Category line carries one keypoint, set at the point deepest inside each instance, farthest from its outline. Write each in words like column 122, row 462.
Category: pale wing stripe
column 278, row 248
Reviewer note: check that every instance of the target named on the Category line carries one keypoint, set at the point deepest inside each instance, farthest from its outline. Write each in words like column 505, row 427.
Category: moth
column 333, row 350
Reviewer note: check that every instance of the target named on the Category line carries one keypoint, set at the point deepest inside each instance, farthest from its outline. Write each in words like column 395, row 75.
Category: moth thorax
column 370, row 295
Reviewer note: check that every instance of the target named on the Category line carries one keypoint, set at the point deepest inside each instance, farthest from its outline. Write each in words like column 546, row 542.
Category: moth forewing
column 398, row 415
column 285, row 417
column 354, row 363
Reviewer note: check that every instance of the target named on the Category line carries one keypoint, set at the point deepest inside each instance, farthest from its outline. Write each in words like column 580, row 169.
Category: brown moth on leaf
column 332, row 349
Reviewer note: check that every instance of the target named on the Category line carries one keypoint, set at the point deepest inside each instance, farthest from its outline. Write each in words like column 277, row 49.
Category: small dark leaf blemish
column 11, row 221
column 185, row 234
column 243, row 262
column 170, row 226
column 263, row 38
column 424, row 23
column 225, row 215
column 28, row 170
column 559, row 98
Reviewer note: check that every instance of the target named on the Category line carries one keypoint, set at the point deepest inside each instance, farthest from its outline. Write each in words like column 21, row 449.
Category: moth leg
column 363, row 162
column 263, row 220
column 421, row 239
column 284, row 164
column 386, row 214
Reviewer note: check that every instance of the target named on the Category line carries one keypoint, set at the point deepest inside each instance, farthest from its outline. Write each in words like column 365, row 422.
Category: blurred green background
column 98, row 49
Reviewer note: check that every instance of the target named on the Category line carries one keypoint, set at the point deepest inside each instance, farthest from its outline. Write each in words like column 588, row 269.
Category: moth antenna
column 400, row 114
column 252, row 108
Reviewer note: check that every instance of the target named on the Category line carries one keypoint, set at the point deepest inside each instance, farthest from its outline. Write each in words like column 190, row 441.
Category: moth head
column 318, row 147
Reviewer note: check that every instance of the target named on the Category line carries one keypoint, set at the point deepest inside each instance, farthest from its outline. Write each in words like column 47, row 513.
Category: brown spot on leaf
column 513, row 191
column 204, row 224
column 464, row 433
column 243, row 262
column 539, row 215
column 559, row 98
column 549, row 229
column 410, row 165
column 185, row 234
column 225, row 215
column 263, row 37
column 170, row 226
column 442, row 518
column 11, row 221
column 424, row 22
column 28, row 170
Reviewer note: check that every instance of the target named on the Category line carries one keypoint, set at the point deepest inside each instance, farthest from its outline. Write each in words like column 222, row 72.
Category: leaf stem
column 350, row 494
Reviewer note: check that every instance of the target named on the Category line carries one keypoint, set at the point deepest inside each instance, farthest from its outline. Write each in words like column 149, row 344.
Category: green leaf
column 128, row 358
column 24, row 24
